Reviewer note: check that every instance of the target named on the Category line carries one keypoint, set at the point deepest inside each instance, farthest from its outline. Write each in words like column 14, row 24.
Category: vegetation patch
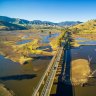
column 80, row 71
column 56, row 42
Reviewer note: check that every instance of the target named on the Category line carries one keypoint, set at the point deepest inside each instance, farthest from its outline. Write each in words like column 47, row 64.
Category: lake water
column 81, row 39
column 46, row 39
column 86, row 41
column 23, row 42
column 87, row 52
column 22, row 79
column 91, row 42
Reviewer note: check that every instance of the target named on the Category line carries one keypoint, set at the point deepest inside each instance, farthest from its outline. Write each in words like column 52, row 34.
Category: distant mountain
column 36, row 22
column 69, row 23
column 10, row 26
column 14, row 20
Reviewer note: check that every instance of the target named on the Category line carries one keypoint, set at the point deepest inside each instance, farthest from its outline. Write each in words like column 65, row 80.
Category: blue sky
column 49, row 10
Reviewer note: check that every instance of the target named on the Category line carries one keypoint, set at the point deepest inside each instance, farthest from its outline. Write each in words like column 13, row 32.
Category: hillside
column 87, row 27
column 13, row 20
column 69, row 23
column 9, row 26
column 36, row 22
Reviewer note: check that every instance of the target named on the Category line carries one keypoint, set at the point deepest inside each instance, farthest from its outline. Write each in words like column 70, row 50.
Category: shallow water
column 46, row 39
column 88, row 52
column 81, row 38
column 23, row 42
column 22, row 79
column 91, row 42
column 86, row 41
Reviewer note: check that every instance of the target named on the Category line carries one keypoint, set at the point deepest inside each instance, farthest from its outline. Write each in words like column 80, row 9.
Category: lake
column 88, row 52
column 22, row 80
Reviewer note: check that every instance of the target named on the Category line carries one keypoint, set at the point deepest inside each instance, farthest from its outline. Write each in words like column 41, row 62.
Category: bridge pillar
column 55, row 78
column 47, row 74
column 43, row 82
column 37, row 94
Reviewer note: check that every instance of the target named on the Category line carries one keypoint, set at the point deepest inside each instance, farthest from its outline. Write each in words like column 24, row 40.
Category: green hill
column 14, row 20
column 9, row 26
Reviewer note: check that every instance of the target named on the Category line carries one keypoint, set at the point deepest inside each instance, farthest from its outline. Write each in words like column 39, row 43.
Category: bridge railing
column 36, row 91
column 49, row 82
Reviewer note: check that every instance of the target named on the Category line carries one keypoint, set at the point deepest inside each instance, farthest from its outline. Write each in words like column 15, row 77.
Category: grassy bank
column 56, row 42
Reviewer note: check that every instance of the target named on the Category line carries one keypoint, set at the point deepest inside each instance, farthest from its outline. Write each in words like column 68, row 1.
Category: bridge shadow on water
column 64, row 86
column 18, row 77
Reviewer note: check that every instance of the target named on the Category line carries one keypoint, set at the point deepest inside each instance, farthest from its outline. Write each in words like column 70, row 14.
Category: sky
column 49, row 10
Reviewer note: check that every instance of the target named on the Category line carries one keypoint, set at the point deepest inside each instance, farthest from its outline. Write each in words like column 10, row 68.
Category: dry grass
column 75, row 44
column 80, row 71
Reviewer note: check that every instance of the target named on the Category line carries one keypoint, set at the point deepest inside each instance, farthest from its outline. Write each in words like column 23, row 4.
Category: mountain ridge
column 37, row 22
column 9, row 26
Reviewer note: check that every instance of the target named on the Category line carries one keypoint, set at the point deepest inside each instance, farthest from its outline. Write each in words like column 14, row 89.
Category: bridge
column 49, row 74
column 60, row 65
column 45, row 84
